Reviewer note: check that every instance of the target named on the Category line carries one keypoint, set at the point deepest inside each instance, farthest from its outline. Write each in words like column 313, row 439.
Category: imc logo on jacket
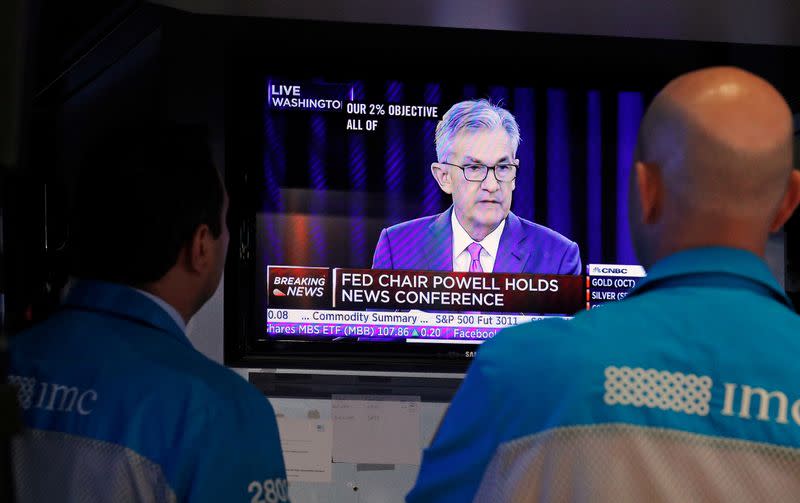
column 53, row 397
column 691, row 394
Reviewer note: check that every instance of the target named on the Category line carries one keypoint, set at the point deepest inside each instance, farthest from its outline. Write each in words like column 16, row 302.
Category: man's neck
column 171, row 296
column 171, row 311
column 477, row 232
column 726, row 234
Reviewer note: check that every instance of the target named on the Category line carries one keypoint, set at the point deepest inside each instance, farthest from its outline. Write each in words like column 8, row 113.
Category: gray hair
column 474, row 114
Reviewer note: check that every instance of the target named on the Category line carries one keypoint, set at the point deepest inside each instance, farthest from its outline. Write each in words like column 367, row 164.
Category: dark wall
column 125, row 62
column 772, row 22
column 72, row 97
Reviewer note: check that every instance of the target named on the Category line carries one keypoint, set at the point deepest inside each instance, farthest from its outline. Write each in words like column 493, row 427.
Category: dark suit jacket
column 427, row 244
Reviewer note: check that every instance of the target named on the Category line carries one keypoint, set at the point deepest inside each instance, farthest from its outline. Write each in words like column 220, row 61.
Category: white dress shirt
column 171, row 311
column 490, row 244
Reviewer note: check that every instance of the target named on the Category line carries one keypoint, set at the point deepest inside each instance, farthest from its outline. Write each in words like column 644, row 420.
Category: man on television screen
column 476, row 146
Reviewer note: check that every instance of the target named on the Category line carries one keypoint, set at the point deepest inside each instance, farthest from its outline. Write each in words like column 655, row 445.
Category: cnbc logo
column 301, row 287
column 621, row 270
column 609, row 270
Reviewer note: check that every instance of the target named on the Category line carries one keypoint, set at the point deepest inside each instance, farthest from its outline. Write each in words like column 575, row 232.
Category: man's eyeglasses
column 505, row 172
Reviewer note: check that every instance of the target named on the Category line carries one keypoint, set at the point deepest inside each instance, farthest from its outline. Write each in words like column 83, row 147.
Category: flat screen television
column 363, row 161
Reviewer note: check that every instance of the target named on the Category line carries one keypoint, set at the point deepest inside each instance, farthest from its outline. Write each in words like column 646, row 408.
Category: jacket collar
column 713, row 260
column 123, row 302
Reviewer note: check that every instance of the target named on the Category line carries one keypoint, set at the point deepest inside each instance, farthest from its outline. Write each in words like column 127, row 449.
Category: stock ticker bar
column 413, row 326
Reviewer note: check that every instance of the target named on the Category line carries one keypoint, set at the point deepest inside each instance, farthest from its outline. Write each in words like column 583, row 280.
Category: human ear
column 441, row 172
column 789, row 203
column 200, row 249
column 514, row 181
column 650, row 191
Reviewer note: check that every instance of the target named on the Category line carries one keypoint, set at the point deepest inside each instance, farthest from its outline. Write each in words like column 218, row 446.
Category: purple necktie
column 475, row 255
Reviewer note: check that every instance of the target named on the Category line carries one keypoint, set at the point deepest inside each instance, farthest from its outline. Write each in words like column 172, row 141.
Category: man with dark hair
column 119, row 405
column 687, row 390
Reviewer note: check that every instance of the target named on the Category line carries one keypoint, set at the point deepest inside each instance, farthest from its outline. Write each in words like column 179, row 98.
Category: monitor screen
column 409, row 212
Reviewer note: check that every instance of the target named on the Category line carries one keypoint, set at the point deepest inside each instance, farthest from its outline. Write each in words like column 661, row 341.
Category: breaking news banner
column 299, row 287
column 361, row 289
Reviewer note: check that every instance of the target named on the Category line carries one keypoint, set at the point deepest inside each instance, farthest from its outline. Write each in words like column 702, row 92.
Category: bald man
column 687, row 390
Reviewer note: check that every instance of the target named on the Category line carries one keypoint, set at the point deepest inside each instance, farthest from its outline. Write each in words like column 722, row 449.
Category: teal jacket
column 120, row 407
column 687, row 390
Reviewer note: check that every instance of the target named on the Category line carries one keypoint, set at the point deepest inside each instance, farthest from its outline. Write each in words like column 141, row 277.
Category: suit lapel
column 511, row 254
column 438, row 248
